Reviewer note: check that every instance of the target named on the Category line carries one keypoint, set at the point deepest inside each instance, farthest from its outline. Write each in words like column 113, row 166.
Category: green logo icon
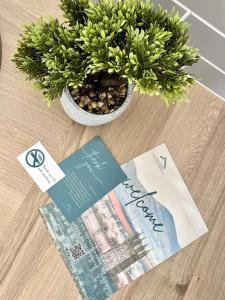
column 35, row 158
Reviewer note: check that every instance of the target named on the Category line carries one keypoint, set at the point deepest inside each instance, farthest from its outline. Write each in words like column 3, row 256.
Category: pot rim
column 93, row 115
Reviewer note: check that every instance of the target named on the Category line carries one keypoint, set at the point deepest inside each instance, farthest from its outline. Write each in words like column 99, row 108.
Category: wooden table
column 30, row 266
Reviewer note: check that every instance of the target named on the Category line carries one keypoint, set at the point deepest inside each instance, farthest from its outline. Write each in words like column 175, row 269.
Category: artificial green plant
column 143, row 43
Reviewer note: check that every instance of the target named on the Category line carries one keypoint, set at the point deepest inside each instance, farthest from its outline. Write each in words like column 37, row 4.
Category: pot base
column 79, row 115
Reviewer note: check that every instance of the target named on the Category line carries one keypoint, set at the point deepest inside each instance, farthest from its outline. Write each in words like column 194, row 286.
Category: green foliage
column 145, row 44
column 74, row 11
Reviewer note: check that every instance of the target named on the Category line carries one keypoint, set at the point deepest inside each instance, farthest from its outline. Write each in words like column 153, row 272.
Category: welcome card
column 143, row 221
column 90, row 173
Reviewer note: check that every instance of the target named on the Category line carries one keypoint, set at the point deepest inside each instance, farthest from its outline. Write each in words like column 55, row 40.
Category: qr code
column 77, row 251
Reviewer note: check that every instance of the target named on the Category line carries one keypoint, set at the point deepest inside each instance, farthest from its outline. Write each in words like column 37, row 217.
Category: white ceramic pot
column 81, row 116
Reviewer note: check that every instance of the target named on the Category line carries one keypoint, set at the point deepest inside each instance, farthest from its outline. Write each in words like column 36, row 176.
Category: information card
column 90, row 173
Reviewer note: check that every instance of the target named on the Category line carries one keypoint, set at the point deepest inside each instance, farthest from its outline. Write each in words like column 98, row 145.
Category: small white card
column 41, row 166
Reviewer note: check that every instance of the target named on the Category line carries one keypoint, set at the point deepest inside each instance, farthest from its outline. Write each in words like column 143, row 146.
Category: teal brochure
column 90, row 173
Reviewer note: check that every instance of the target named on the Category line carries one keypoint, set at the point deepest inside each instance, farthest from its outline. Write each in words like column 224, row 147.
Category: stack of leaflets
column 144, row 220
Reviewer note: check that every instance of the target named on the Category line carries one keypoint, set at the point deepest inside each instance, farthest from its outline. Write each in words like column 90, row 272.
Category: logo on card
column 35, row 158
column 161, row 162
column 164, row 159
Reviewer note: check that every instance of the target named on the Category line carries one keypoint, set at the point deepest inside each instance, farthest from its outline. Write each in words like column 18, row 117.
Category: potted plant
column 94, row 60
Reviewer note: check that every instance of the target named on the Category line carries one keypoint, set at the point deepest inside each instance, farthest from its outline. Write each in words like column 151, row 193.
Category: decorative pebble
column 74, row 92
column 100, row 104
column 93, row 104
column 82, row 98
column 87, row 100
column 98, row 99
column 123, row 91
column 92, row 94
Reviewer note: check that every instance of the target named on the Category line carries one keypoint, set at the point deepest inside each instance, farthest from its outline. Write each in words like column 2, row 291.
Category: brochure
column 90, row 173
column 147, row 218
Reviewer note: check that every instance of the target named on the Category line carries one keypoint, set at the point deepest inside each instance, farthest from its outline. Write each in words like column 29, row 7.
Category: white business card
column 41, row 166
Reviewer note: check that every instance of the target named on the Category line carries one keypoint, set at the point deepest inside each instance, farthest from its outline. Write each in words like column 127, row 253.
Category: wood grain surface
column 30, row 266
